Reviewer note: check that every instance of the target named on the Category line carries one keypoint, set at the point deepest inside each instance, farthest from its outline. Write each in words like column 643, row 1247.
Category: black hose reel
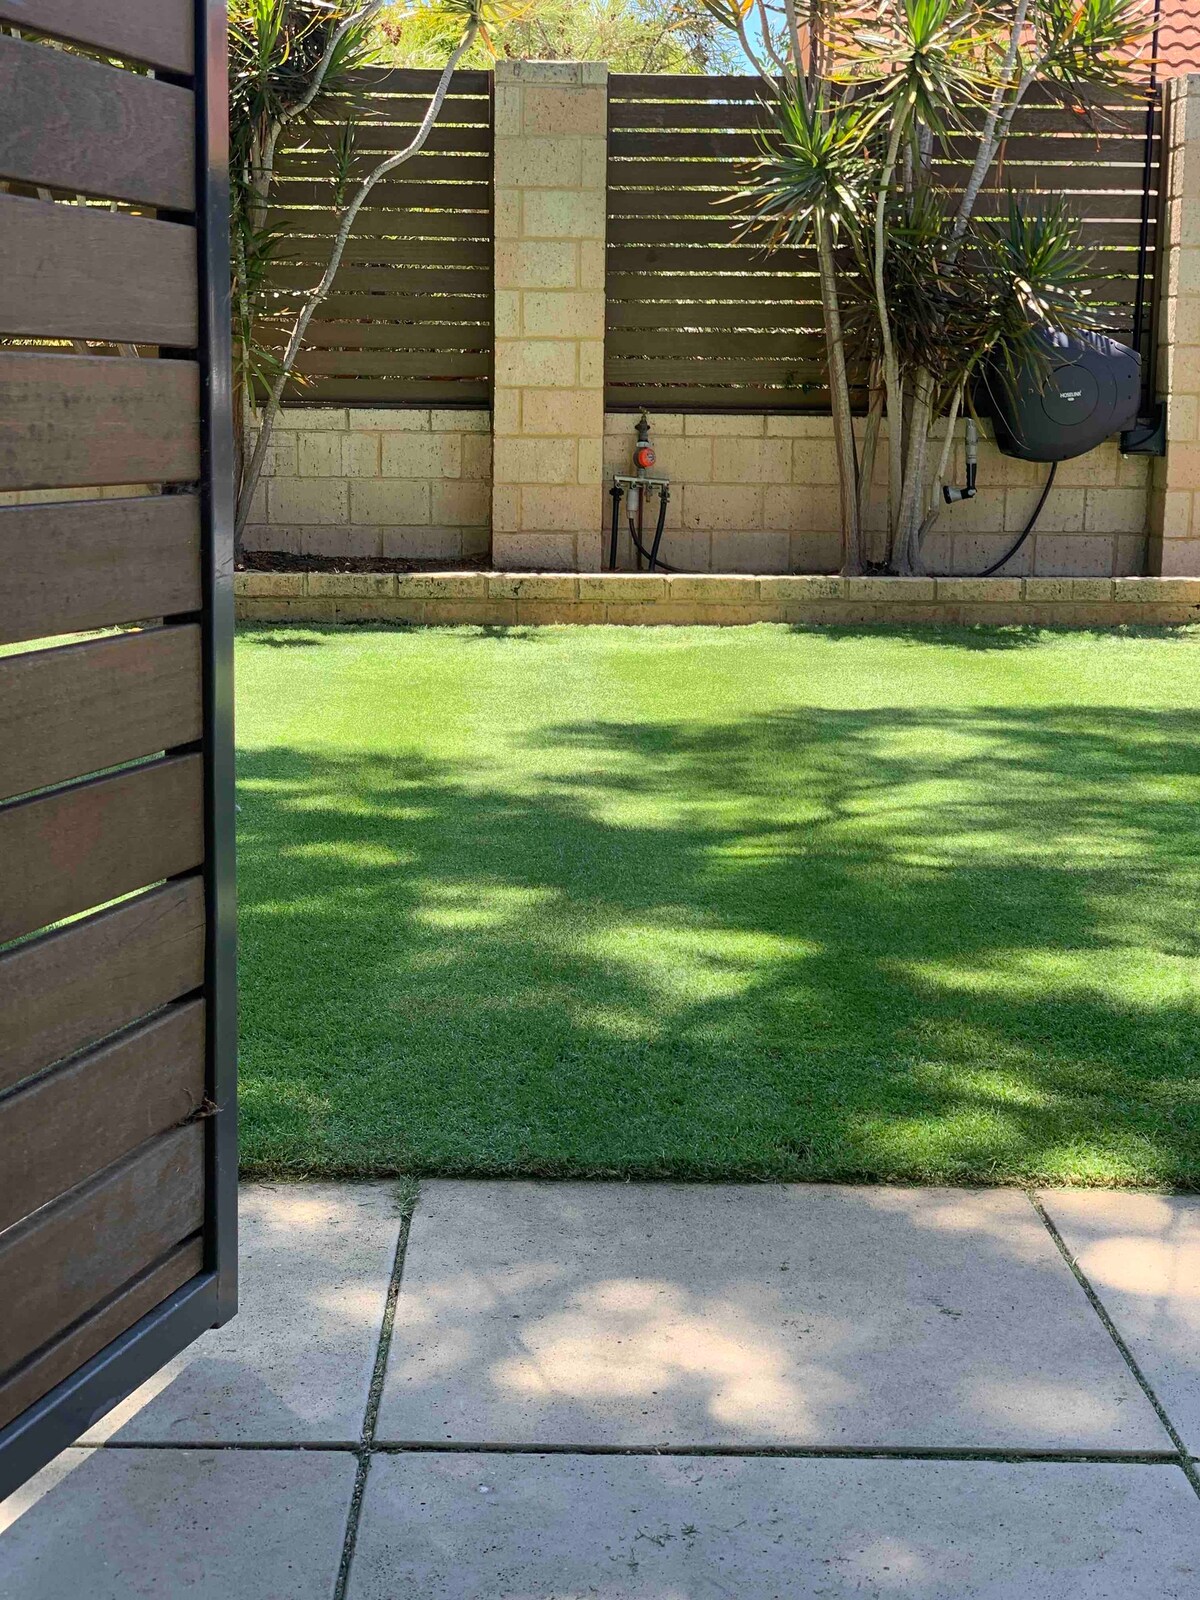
column 632, row 490
column 1086, row 389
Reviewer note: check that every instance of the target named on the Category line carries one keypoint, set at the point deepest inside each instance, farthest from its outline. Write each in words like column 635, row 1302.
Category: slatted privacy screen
column 409, row 321
column 116, row 1047
column 698, row 320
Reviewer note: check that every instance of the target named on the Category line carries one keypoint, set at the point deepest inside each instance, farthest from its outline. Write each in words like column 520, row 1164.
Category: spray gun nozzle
column 971, row 451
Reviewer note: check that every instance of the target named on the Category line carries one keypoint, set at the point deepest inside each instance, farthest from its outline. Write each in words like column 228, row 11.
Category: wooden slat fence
column 697, row 320
column 115, row 751
column 409, row 321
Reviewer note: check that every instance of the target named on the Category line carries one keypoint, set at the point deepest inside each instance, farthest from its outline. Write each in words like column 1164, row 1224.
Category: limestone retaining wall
column 501, row 599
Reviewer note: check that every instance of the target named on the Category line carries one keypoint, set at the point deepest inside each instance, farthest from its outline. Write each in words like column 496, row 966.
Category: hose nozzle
column 953, row 495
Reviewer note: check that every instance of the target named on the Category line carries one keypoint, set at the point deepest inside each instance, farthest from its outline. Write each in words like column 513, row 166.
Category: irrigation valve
column 632, row 490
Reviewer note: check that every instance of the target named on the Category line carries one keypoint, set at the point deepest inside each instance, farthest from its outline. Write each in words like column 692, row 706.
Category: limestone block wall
column 748, row 493
column 1093, row 525
column 389, row 482
column 1175, row 498
column 759, row 494
column 551, row 121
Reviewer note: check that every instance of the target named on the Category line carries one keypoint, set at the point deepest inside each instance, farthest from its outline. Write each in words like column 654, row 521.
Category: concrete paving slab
column 295, row 1364
column 208, row 1524
column 627, row 1314
column 486, row 1527
column 1141, row 1254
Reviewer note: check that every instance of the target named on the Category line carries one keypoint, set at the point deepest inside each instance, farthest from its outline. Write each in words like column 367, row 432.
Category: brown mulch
column 282, row 561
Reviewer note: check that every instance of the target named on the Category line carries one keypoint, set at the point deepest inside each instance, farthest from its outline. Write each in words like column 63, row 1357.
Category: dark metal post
column 217, row 520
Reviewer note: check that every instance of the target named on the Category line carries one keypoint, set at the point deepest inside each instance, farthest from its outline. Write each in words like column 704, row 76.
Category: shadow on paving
column 888, row 943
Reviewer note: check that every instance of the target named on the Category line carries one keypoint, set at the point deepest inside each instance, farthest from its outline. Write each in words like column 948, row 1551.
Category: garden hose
column 1027, row 529
column 651, row 555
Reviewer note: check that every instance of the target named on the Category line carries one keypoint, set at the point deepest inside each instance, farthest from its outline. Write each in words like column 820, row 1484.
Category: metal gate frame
column 210, row 1299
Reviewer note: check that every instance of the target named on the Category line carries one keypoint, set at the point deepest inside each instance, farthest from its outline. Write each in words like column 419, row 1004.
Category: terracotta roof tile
column 1179, row 37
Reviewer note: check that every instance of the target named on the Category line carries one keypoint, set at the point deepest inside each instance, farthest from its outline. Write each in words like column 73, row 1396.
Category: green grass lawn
column 753, row 902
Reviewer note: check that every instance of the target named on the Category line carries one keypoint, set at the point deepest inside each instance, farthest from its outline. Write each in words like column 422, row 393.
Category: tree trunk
column 891, row 366
column 839, row 394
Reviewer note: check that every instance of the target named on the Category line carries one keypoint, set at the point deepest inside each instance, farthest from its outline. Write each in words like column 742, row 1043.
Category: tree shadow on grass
column 902, row 944
column 989, row 636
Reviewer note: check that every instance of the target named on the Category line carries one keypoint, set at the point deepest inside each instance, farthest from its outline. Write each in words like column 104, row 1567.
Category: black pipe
column 663, row 496
column 1139, row 303
column 617, row 492
column 652, row 555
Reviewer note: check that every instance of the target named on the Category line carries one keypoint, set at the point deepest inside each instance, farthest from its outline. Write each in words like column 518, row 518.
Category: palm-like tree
column 914, row 286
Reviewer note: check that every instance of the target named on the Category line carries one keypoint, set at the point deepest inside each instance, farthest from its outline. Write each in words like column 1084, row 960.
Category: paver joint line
column 1186, row 1463
column 738, row 1452
column 374, row 1393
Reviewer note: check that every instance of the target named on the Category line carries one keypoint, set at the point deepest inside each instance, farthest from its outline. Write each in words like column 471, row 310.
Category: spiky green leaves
column 920, row 59
column 814, row 169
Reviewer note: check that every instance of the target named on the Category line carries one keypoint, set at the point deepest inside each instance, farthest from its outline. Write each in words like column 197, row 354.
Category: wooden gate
column 117, row 1024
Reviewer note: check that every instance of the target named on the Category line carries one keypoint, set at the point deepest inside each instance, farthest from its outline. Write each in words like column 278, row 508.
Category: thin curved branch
column 307, row 311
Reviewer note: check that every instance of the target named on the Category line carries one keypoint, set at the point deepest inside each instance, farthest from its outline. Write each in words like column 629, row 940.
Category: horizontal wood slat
column 449, row 193
column 393, row 363
column 801, row 372
column 310, row 223
column 429, row 309
column 79, row 847
column 725, row 171
column 685, row 279
column 399, row 278
column 425, row 230
column 66, row 1259
column 63, row 1356
column 80, row 708
column 712, row 398
column 92, row 129
column 72, row 420
column 93, row 563
column 680, row 291
column 706, row 148
column 70, row 1124
column 72, row 272
column 713, row 224
column 653, row 317
column 75, row 986
column 679, row 86
column 372, row 335
column 416, row 81
column 470, row 393
column 779, row 346
column 160, row 34
column 376, row 141
column 1113, row 256
column 732, row 86
column 314, row 170
column 382, row 253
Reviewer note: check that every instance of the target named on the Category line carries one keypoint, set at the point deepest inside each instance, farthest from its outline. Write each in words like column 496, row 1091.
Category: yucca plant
column 871, row 101
column 287, row 57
